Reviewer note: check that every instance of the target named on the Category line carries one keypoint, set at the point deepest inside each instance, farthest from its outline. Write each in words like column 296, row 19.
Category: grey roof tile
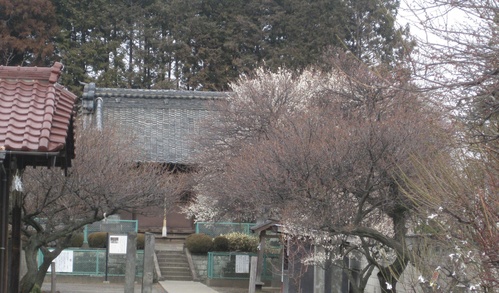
column 164, row 121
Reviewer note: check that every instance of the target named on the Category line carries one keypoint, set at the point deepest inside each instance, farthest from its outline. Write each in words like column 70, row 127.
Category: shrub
column 76, row 240
column 199, row 243
column 242, row 242
column 221, row 243
column 97, row 240
column 141, row 238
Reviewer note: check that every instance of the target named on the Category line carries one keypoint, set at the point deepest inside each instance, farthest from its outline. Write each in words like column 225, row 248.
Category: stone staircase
column 173, row 265
column 172, row 260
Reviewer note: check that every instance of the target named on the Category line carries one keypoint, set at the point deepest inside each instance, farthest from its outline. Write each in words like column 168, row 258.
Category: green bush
column 141, row 238
column 221, row 243
column 97, row 240
column 242, row 242
column 199, row 243
column 76, row 240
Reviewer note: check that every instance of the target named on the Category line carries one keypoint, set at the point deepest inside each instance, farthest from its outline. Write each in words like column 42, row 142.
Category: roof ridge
column 50, row 74
column 157, row 93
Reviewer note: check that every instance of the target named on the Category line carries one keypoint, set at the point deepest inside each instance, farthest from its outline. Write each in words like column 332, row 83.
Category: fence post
column 210, row 265
column 85, row 237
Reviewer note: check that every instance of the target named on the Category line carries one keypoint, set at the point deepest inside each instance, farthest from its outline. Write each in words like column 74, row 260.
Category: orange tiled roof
column 35, row 111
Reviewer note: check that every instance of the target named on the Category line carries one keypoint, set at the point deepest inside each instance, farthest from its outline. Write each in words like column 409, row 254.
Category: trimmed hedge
column 242, row 242
column 97, row 240
column 221, row 243
column 199, row 243
column 76, row 240
column 141, row 239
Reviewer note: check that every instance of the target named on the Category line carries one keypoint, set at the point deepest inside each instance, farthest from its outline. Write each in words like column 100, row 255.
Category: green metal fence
column 235, row 265
column 218, row 228
column 112, row 226
column 92, row 262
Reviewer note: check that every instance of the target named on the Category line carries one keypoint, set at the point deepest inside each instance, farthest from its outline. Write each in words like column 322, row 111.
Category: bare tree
column 458, row 201
column 458, row 59
column 324, row 153
column 458, row 63
column 104, row 179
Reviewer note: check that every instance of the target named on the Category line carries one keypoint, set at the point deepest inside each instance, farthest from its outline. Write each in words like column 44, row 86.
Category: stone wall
column 200, row 262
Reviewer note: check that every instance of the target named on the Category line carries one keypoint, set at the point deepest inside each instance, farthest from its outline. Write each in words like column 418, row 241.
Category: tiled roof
column 164, row 121
column 35, row 111
column 155, row 94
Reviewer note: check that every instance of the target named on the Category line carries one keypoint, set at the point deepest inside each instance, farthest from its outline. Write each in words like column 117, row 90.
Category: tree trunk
column 28, row 280
column 35, row 275
column 388, row 276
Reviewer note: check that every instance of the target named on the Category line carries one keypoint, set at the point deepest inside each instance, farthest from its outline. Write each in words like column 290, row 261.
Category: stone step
column 175, row 271
column 173, row 265
column 178, row 278
column 178, row 266
column 171, row 258
column 170, row 254
column 172, row 261
column 170, row 251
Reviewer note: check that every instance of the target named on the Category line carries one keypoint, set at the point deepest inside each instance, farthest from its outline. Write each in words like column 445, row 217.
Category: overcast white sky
column 416, row 14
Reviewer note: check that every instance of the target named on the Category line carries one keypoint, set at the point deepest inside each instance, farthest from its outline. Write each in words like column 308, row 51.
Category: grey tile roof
column 164, row 121
column 155, row 94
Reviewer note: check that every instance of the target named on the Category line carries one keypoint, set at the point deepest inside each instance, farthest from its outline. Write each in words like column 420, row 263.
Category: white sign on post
column 117, row 244
column 242, row 264
column 63, row 262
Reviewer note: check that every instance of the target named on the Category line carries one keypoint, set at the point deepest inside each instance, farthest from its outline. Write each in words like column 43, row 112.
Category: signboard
column 242, row 264
column 64, row 262
column 117, row 244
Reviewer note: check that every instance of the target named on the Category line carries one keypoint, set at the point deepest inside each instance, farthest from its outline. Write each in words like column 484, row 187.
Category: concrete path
column 186, row 287
column 98, row 288
column 162, row 287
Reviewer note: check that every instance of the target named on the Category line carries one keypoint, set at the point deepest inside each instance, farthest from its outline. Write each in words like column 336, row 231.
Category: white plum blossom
column 388, row 286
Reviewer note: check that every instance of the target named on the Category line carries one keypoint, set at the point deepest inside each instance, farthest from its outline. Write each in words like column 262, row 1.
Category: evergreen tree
column 27, row 29
column 90, row 42
column 207, row 44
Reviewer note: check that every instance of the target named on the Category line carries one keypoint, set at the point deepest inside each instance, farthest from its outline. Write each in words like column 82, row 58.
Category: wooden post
column 107, row 259
column 4, row 222
column 16, row 242
column 148, row 275
column 252, row 280
column 131, row 256
column 52, row 277
column 261, row 251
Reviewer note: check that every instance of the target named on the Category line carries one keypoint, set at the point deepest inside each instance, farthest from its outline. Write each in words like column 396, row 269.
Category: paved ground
column 97, row 288
column 186, row 287
column 169, row 287
column 182, row 287
column 230, row 290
